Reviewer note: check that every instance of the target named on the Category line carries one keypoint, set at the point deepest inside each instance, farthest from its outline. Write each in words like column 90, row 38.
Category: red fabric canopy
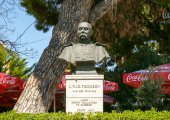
column 12, row 87
column 8, row 82
column 136, row 78
column 109, row 100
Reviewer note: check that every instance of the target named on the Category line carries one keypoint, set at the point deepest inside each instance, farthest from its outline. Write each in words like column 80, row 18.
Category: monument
column 84, row 89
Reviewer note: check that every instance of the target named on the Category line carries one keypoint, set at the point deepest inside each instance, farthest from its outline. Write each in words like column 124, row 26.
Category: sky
column 32, row 40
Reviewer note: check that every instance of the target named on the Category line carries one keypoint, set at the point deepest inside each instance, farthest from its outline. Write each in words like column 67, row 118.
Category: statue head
column 84, row 31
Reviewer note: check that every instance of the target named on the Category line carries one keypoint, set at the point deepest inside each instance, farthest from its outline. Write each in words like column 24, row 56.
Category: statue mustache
column 83, row 33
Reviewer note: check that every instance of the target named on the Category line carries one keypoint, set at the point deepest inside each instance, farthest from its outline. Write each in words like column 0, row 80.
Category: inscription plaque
column 84, row 88
column 84, row 94
column 84, row 105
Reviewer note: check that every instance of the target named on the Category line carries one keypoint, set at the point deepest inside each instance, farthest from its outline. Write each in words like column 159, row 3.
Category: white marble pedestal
column 84, row 93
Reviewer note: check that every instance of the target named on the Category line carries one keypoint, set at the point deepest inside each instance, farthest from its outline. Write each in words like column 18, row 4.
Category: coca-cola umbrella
column 9, row 96
column 9, row 90
column 110, row 86
column 8, row 82
column 109, row 100
column 135, row 79
column 12, row 87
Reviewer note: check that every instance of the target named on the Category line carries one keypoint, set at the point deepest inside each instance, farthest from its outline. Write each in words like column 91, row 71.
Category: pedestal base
column 84, row 93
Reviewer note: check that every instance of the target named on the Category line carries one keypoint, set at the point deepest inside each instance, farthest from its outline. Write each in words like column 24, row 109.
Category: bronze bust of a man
column 84, row 54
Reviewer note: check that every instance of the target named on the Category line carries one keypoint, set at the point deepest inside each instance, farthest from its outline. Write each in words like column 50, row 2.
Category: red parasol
column 109, row 100
column 136, row 78
column 109, row 86
column 8, row 82
column 12, row 87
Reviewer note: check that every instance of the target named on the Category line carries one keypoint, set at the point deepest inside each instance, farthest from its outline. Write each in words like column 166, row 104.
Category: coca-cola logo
column 166, row 89
column 136, row 78
column 11, row 82
column 110, row 87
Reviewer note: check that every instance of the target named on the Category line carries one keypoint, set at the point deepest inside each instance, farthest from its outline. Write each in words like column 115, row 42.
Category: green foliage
column 46, row 12
column 126, row 115
column 123, row 47
column 16, row 66
column 142, row 58
column 163, row 2
column 135, row 22
column 13, row 64
column 3, row 54
column 125, row 96
column 149, row 95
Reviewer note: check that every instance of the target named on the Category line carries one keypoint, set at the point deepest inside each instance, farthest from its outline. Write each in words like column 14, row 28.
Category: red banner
column 135, row 79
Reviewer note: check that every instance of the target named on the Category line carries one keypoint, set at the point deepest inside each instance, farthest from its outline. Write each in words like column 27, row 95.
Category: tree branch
column 25, row 31
column 100, row 9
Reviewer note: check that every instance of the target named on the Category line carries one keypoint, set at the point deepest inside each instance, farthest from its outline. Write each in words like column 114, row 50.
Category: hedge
column 126, row 115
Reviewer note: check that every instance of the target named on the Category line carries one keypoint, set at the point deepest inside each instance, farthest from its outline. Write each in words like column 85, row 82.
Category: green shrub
column 126, row 115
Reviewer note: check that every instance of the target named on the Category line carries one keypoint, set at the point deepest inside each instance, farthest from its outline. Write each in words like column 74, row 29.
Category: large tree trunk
column 40, row 88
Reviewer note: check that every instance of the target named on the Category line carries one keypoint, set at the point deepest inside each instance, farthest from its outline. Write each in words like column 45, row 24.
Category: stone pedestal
column 84, row 93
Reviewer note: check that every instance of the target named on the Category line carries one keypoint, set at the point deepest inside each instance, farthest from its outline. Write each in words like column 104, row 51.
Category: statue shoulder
column 67, row 45
column 100, row 44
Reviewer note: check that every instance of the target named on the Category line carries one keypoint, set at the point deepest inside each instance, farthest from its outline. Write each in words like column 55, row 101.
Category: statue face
column 84, row 30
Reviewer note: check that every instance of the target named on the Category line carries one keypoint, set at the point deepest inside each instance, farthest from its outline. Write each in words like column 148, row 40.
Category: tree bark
column 101, row 8
column 40, row 88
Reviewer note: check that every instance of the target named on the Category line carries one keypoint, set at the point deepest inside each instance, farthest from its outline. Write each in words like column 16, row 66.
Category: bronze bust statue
column 84, row 54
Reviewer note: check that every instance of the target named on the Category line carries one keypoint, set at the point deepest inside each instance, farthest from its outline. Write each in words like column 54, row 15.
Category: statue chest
column 83, row 52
